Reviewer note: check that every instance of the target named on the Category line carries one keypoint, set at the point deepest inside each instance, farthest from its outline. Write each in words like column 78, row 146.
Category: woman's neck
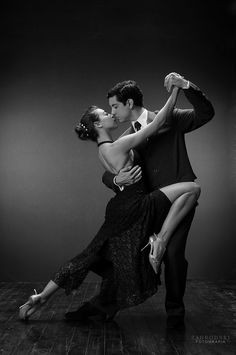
column 104, row 136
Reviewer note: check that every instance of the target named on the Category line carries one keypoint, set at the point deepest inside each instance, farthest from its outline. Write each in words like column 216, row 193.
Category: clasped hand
column 175, row 79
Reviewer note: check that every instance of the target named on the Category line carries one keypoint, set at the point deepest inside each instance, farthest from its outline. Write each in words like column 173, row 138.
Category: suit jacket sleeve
column 202, row 112
column 107, row 179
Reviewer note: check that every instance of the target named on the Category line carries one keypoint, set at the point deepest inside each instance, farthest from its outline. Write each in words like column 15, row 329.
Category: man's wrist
column 121, row 187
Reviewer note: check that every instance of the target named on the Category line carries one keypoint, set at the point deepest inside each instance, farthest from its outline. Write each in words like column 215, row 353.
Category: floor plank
column 210, row 324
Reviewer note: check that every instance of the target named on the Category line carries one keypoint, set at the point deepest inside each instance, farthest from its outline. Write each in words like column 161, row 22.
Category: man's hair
column 125, row 90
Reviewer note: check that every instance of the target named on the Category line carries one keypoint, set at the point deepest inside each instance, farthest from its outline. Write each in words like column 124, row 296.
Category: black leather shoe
column 175, row 322
column 84, row 312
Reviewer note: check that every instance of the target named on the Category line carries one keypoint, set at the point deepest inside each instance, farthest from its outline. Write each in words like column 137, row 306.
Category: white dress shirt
column 142, row 119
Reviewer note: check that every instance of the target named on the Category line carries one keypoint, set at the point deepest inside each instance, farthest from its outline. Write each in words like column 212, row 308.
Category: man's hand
column 128, row 175
column 174, row 79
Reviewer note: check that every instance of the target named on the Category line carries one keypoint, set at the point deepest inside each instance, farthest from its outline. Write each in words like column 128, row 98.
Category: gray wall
column 55, row 63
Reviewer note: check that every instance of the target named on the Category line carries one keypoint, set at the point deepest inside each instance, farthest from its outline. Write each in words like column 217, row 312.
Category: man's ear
column 97, row 124
column 130, row 103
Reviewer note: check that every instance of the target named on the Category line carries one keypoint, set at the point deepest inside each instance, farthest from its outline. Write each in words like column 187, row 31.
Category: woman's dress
column 131, row 217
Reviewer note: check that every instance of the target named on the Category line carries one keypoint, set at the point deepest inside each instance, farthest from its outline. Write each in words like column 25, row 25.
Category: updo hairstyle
column 85, row 129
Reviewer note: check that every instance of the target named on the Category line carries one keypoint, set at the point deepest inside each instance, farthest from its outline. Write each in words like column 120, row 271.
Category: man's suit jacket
column 164, row 154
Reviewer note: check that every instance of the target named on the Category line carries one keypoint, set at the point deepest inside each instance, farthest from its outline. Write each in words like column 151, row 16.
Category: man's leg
column 176, row 270
column 101, row 304
column 101, row 266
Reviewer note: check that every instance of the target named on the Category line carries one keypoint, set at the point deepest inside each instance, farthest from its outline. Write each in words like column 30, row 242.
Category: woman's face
column 107, row 120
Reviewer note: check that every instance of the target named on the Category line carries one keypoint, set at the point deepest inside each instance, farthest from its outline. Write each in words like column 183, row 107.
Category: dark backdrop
column 57, row 59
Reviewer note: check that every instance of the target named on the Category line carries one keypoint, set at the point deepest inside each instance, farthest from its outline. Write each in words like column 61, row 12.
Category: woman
column 129, row 220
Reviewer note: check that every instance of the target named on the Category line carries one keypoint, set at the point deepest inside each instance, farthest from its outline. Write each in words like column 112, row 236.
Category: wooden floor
column 210, row 324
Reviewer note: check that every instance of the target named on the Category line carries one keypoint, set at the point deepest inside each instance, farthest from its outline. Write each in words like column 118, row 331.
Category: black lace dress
column 131, row 217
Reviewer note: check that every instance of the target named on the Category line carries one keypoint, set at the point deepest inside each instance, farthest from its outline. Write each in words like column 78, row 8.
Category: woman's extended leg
column 183, row 196
column 97, row 264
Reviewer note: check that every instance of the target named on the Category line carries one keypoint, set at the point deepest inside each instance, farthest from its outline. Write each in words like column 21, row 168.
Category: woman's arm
column 132, row 140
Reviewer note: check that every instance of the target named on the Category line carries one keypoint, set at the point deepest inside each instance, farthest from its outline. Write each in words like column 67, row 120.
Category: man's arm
column 107, row 179
column 202, row 112
column 127, row 176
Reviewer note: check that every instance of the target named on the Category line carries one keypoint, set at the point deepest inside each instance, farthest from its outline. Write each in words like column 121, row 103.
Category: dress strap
column 104, row 142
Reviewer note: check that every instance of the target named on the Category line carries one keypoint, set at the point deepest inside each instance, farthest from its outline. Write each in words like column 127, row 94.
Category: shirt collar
column 142, row 119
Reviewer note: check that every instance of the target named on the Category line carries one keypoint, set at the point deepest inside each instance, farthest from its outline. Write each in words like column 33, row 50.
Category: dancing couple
column 154, row 205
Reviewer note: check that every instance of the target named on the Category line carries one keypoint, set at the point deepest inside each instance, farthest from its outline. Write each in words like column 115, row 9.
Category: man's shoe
column 85, row 312
column 175, row 322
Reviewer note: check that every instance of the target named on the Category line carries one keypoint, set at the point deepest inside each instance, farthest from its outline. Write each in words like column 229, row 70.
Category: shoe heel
column 145, row 246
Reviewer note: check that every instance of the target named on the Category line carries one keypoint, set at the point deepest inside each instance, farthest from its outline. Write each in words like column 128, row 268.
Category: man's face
column 119, row 110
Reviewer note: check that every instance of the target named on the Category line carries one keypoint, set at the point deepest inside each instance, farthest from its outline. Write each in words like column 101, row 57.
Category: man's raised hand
column 175, row 79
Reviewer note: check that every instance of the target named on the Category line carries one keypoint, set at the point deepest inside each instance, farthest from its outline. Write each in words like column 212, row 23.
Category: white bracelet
column 115, row 183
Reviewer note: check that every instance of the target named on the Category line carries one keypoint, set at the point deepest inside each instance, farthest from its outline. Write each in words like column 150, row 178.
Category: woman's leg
column 48, row 291
column 183, row 196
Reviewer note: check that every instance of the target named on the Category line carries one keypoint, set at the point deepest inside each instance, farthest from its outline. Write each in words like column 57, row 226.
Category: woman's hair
column 85, row 129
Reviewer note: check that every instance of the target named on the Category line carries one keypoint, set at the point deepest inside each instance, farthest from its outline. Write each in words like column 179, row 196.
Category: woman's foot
column 158, row 248
column 34, row 303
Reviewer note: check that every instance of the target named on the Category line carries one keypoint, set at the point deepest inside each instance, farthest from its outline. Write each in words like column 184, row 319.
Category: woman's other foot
column 34, row 303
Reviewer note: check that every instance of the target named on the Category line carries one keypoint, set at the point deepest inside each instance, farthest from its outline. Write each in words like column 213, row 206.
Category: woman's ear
column 97, row 124
column 130, row 103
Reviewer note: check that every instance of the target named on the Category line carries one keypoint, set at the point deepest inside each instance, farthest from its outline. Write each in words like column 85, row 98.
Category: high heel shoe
column 159, row 248
column 31, row 306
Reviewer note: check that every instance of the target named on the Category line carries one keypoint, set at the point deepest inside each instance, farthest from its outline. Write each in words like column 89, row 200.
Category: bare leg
column 183, row 197
column 49, row 290
column 176, row 190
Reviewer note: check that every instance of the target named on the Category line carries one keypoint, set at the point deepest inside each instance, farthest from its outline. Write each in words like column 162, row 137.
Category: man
column 166, row 162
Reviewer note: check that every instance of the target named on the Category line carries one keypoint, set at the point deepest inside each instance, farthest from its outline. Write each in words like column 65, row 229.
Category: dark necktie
column 137, row 125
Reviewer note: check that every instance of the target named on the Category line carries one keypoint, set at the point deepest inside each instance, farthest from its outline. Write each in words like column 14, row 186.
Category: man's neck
column 136, row 112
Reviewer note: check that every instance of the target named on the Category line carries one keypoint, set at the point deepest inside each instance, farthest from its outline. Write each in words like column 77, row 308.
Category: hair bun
column 82, row 131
